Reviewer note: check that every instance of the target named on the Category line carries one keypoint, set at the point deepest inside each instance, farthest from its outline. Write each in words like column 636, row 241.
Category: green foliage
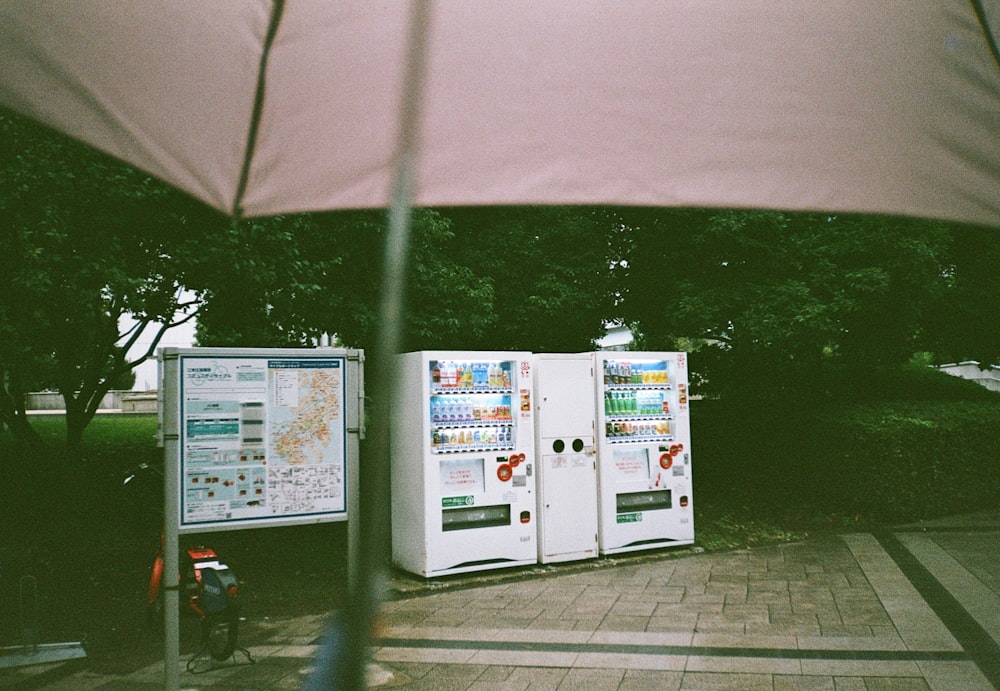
column 776, row 295
column 912, row 444
column 550, row 269
column 299, row 277
column 914, row 460
column 534, row 279
column 85, row 240
column 965, row 325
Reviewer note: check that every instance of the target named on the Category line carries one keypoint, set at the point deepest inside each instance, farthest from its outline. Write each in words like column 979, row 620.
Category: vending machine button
column 504, row 472
column 666, row 460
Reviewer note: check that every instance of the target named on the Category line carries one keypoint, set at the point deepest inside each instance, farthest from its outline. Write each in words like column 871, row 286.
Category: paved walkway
column 917, row 607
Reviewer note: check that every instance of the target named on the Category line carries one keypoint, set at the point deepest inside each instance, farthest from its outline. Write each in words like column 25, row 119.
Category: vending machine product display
column 462, row 468
column 644, row 442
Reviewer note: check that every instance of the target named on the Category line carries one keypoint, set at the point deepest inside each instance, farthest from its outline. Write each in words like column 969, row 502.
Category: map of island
column 306, row 416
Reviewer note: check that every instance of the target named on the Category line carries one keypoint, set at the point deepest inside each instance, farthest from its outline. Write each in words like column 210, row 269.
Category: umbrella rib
column 980, row 11
column 258, row 106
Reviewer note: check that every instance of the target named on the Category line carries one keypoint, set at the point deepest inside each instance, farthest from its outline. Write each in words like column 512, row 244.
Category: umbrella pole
column 341, row 662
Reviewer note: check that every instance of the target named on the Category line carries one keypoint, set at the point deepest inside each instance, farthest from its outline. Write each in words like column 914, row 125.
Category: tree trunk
column 12, row 411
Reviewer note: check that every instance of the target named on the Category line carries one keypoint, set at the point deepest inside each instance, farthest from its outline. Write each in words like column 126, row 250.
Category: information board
column 261, row 438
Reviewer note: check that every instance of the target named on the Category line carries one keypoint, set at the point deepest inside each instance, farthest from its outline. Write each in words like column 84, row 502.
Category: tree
column 297, row 278
column 965, row 323
column 86, row 240
column 780, row 294
column 552, row 272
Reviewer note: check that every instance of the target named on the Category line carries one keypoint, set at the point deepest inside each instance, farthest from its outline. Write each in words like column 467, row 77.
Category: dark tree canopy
column 86, row 240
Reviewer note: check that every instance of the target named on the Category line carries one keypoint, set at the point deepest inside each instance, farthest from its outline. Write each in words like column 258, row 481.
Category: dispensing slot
column 643, row 501
column 471, row 517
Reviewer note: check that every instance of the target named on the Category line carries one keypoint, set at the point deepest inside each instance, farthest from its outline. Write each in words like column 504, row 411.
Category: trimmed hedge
column 910, row 460
column 829, row 457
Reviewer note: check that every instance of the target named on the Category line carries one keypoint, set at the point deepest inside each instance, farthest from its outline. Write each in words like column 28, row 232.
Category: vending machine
column 644, row 451
column 463, row 480
column 567, row 457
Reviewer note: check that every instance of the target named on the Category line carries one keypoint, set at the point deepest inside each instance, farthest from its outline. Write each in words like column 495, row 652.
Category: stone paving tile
column 778, row 629
column 861, row 668
column 897, row 684
column 498, row 686
column 558, row 623
column 623, row 623
column 725, row 640
column 633, row 608
column 592, row 679
column 523, row 658
column 787, row 682
column 730, row 682
column 811, row 596
column 650, row 680
column 954, row 675
column 537, row 677
column 449, row 656
column 641, row 638
column 743, row 665
column 851, row 643
column 686, row 622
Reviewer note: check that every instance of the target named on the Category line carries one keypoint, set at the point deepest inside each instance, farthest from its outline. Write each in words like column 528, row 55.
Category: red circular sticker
column 666, row 460
column 504, row 472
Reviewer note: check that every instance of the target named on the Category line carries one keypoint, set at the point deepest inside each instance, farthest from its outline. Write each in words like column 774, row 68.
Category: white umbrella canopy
column 885, row 106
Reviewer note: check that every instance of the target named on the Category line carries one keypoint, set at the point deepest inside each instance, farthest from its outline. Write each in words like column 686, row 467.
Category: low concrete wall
column 139, row 402
column 125, row 401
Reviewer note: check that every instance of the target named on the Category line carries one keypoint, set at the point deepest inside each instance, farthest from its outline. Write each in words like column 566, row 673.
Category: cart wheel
column 220, row 638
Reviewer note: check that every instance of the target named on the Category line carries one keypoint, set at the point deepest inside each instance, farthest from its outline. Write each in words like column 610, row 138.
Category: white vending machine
column 567, row 457
column 644, row 451
column 463, row 481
